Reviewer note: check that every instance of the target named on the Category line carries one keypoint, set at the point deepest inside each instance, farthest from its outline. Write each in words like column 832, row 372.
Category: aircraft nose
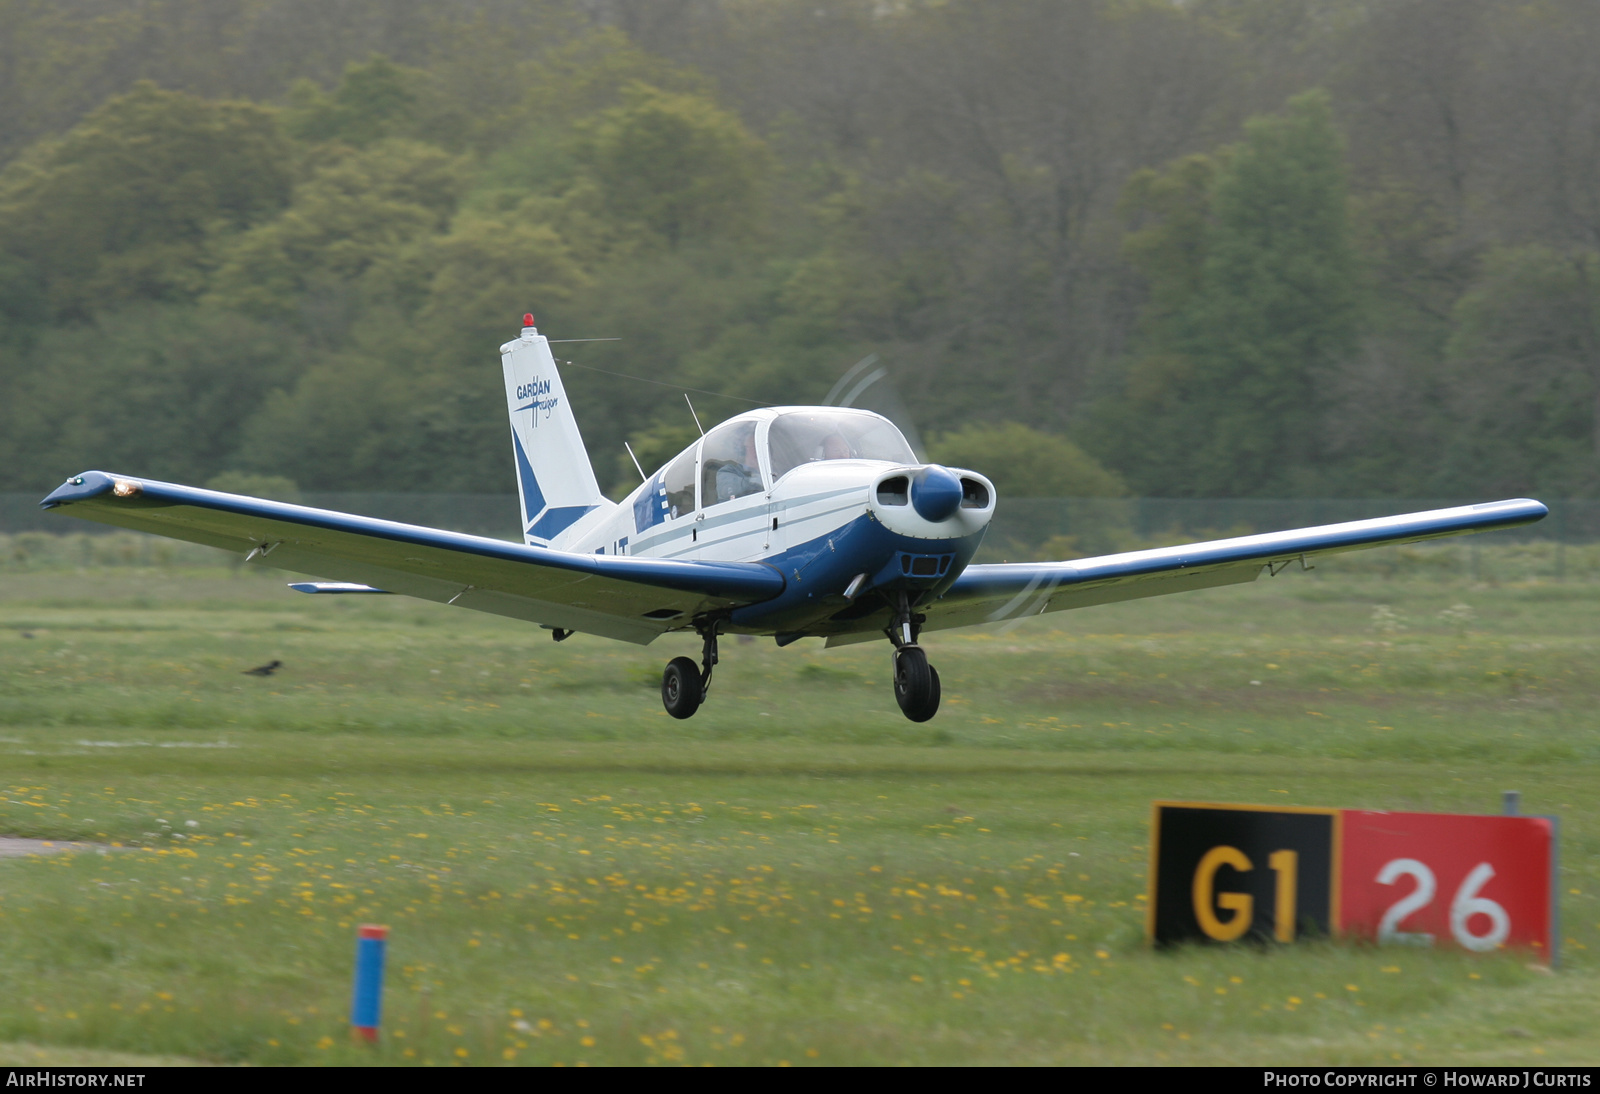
column 935, row 493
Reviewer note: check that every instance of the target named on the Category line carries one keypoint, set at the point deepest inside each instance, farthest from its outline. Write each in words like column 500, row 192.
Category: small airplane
column 793, row 522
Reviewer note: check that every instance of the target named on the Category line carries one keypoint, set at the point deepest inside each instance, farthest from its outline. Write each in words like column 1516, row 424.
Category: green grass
column 797, row 874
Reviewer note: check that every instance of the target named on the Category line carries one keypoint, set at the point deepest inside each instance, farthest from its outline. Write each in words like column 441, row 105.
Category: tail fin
column 554, row 477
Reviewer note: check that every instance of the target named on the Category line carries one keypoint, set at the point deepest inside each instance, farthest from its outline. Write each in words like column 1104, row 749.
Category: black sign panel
column 1221, row 873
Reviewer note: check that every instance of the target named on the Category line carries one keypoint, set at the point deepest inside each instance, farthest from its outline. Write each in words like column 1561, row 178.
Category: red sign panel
column 1441, row 879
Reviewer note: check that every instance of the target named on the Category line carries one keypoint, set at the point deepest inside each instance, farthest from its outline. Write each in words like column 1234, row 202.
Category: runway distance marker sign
column 1428, row 879
column 1226, row 872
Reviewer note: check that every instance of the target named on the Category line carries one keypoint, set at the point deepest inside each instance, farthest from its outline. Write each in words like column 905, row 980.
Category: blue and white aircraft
column 792, row 522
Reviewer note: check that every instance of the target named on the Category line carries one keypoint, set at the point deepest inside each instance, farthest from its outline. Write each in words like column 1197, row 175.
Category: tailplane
column 554, row 478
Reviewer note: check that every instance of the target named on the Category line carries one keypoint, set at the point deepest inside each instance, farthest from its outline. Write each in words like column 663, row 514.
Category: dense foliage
column 1226, row 247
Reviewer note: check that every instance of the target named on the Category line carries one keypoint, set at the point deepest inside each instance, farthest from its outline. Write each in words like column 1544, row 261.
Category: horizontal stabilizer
column 333, row 587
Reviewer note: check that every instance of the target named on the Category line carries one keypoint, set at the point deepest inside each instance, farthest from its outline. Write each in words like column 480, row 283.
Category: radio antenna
column 642, row 476
column 697, row 424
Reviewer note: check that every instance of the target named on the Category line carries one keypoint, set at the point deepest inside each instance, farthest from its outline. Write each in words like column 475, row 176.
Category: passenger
column 735, row 479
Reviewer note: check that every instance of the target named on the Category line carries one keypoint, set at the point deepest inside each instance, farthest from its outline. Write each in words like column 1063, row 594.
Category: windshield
column 809, row 436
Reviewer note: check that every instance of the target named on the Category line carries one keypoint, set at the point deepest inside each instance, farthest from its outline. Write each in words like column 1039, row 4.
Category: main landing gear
column 916, row 683
column 684, row 685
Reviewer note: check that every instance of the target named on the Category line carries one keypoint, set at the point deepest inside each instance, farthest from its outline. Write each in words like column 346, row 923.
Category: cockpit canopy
column 729, row 467
column 809, row 436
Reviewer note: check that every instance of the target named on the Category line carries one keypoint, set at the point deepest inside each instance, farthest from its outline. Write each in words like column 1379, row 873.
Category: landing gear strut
column 916, row 683
column 684, row 685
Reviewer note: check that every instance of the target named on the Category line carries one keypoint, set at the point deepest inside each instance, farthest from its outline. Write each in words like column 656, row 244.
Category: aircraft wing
column 990, row 594
column 633, row 599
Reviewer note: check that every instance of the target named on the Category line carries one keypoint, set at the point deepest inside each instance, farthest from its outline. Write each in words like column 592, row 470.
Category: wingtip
column 90, row 484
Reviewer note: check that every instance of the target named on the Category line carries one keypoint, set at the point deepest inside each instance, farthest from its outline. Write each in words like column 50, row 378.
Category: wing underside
column 996, row 593
column 632, row 599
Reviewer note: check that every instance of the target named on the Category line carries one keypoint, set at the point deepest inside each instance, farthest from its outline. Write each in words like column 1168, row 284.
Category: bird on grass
column 263, row 670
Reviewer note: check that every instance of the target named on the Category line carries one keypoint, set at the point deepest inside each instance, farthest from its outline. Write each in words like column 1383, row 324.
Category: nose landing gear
column 916, row 683
column 684, row 686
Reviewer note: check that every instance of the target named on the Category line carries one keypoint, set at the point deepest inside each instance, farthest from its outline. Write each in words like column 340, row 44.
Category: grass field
column 796, row 875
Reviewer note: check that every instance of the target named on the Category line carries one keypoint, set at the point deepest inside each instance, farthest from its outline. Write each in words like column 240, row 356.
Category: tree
column 162, row 391
column 1525, row 375
column 1171, row 209
column 1026, row 463
column 374, row 100
column 358, row 210
column 677, row 165
column 1224, row 400
column 412, row 400
column 127, row 204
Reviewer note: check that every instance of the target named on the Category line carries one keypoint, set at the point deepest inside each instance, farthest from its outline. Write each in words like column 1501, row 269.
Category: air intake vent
column 894, row 491
column 974, row 495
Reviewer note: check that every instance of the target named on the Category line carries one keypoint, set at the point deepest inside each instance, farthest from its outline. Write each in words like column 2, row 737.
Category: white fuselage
column 805, row 504
column 822, row 521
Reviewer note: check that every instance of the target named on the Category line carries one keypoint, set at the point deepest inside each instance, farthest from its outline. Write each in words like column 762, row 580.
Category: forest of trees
column 1269, row 248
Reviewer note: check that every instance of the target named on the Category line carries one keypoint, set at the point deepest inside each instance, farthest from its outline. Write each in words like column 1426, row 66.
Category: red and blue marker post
column 366, row 1003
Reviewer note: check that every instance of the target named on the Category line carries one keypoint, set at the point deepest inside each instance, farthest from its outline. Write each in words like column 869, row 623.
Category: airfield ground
column 797, row 874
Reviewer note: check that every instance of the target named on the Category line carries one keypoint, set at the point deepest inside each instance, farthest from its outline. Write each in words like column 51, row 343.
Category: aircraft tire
column 681, row 690
column 916, row 684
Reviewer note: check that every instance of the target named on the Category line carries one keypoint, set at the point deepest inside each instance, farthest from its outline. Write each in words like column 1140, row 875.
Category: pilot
column 737, row 478
column 835, row 447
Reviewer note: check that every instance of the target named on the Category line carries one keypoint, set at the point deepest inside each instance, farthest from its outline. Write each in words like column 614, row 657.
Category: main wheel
column 681, row 689
column 916, row 684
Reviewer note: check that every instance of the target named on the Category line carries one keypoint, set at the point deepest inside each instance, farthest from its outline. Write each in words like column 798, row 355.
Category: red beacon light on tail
column 527, row 320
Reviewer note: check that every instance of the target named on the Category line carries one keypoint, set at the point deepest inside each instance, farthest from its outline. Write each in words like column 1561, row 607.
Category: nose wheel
column 916, row 684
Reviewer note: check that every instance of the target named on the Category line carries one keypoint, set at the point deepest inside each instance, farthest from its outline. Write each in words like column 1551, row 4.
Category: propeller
column 868, row 385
